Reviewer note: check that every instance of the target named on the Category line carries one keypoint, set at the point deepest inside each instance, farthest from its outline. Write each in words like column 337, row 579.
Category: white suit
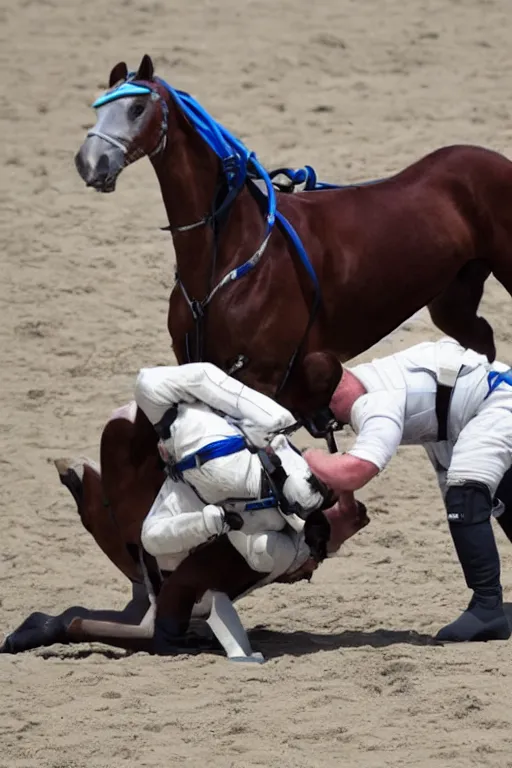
column 188, row 511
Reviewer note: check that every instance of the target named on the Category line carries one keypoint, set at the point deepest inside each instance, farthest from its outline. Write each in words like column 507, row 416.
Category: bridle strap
column 109, row 139
column 201, row 223
column 216, row 214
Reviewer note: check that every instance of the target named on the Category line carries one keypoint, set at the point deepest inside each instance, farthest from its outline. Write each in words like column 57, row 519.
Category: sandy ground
column 357, row 89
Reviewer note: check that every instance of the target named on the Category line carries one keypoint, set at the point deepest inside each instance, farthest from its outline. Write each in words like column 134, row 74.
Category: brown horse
column 339, row 268
column 112, row 505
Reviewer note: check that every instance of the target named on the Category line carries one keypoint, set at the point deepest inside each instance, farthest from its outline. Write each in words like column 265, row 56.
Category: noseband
column 109, row 139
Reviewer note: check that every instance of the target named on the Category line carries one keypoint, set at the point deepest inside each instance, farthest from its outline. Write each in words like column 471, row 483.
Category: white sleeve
column 157, row 389
column 378, row 418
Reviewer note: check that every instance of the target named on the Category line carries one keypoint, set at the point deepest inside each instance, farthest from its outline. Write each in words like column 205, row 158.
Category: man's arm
column 157, row 389
column 380, row 434
column 341, row 472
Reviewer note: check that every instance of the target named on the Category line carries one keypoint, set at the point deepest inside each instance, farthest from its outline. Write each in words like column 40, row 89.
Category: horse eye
column 137, row 110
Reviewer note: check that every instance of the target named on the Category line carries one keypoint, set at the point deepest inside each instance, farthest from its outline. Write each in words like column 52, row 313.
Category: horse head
column 132, row 122
column 317, row 377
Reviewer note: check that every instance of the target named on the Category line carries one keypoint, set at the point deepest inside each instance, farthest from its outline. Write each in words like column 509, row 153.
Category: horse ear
column 145, row 71
column 119, row 72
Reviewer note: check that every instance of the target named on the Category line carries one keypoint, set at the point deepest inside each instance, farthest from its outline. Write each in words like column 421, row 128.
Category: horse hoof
column 254, row 658
column 172, row 638
column 76, row 465
column 71, row 474
column 39, row 629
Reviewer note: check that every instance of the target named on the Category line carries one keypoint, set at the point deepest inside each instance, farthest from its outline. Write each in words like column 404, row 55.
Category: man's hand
column 347, row 517
column 252, row 521
column 233, row 520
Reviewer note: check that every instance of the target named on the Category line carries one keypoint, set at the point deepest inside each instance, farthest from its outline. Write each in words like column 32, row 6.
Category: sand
column 358, row 90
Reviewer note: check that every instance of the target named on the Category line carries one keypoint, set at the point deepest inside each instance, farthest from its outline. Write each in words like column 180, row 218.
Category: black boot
column 469, row 511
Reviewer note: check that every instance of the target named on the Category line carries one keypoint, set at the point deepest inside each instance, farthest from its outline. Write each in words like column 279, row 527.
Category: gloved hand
column 254, row 521
column 233, row 520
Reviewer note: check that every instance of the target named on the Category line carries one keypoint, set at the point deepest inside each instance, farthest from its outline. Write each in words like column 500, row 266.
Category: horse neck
column 188, row 173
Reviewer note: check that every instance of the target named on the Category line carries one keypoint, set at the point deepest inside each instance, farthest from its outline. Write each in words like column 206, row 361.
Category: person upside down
column 458, row 406
column 213, row 431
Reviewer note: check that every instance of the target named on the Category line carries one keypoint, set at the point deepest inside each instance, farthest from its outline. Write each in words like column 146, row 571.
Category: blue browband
column 125, row 89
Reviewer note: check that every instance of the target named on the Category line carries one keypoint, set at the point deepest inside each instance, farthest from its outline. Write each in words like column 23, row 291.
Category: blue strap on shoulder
column 266, row 503
column 239, row 163
column 216, row 450
column 495, row 378
column 211, row 451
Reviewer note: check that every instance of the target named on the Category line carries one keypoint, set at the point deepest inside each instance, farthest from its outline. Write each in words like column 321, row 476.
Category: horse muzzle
column 99, row 164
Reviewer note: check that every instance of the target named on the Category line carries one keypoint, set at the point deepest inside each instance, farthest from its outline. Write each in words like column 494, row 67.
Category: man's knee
column 158, row 537
column 271, row 551
column 265, row 552
column 149, row 537
column 469, row 503
column 144, row 384
column 147, row 393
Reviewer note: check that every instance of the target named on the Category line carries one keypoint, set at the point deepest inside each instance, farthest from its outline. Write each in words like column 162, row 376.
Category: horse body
column 428, row 236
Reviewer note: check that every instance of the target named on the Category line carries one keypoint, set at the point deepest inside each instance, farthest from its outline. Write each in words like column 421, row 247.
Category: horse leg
column 216, row 567
column 82, row 478
column 454, row 311
column 41, row 629
column 176, row 599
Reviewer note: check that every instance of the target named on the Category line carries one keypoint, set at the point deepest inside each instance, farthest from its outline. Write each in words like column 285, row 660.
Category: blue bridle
column 239, row 165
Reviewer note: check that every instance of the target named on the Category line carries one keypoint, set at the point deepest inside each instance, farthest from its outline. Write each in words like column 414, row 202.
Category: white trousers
column 482, row 452
column 179, row 521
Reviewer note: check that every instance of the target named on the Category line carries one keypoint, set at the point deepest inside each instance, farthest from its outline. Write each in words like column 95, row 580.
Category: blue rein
column 240, row 164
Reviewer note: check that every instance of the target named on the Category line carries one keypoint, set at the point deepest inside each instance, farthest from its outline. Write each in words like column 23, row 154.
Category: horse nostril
column 103, row 166
column 80, row 165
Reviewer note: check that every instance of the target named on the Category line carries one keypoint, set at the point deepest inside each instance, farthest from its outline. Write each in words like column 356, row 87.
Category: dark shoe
column 469, row 510
column 477, row 624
